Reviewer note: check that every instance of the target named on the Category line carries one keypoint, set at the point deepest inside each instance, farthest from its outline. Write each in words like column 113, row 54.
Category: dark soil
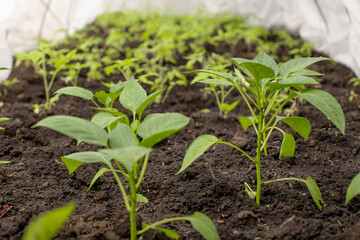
column 37, row 181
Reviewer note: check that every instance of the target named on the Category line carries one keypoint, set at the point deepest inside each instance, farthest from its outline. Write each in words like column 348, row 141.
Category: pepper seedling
column 38, row 58
column 261, row 87
column 353, row 189
column 130, row 154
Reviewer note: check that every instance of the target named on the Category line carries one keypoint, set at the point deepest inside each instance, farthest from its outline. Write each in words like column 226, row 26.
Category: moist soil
column 37, row 181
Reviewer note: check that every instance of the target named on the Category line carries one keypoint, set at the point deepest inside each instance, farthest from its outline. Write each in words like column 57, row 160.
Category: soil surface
column 37, row 181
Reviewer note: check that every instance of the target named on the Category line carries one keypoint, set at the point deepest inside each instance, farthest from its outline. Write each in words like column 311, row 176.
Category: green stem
column 44, row 73
column 122, row 189
column 277, row 111
column 162, row 222
column 95, row 103
column 247, row 102
column 217, row 101
column 242, row 151
column 142, row 171
column 258, row 156
column 133, row 229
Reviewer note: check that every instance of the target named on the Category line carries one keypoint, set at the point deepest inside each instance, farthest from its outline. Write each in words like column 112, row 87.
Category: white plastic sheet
column 333, row 25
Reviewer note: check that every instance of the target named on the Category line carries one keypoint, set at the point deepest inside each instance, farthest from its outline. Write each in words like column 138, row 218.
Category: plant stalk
column 133, row 229
column 258, row 156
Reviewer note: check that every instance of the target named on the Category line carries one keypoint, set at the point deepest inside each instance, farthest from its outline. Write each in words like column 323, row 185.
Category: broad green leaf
column 295, row 81
column 267, row 61
column 204, row 225
column 103, row 119
column 246, row 122
column 197, row 148
column 298, row 64
column 97, row 175
column 353, row 189
column 127, row 156
column 47, row 225
column 301, row 125
column 148, row 100
column 305, row 72
column 4, row 162
column 158, row 126
column 74, row 160
column 287, row 146
column 227, row 76
column 122, row 136
column 315, row 192
column 78, row 128
column 119, row 86
column 132, row 96
column 257, row 70
column 327, row 104
column 107, row 99
column 214, row 81
column 76, row 91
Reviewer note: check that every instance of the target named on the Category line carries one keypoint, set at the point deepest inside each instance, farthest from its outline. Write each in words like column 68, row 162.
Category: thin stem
column 97, row 105
column 285, row 179
column 217, row 100
column 268, row 135
column 258, row 156
column 162, row 222
column 121, row 186
column 44, row 73
column 142, row 171
column 247, row 102
column 242, row 151
column 53, row 78
column 133, row 229
column 277, row 111
column 121, row 170
column 273, row 98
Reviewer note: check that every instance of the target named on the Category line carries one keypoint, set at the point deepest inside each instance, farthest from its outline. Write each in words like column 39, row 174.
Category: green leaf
column 315, row 192
column 132, row 96
column 295, row 81
column 158, row 126
column 4, row 162
column 47, row 225
column 228, row 107
column 353, row 189
column 139, row 198
column 97, row 175
column 298, row 64
column 227, row 76
column 74, row 160
column 3, row 119
column 251, row 193
column 196, row 149
column 127, row 156
column 78, row 128
column 267, row 61
column 119, row 86
column 254, row 69
column 327, row 104
column 107, row 99
column 103, row 119
column 213, row 81
column 148, row 100
column 204, row 225
column 301, row 125
column 122, row 136
column 246, row 122
column 168, row 232
column 287, row 146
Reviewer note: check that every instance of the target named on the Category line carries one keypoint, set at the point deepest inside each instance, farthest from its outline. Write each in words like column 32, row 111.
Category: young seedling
column 130, row 154
column 3, row 119
column 38, row 58
column 353, row 189
column 259, row 89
